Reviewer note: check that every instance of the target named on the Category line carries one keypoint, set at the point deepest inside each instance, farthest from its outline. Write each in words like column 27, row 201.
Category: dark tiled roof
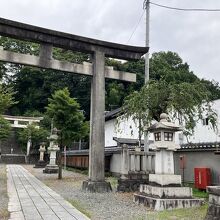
column 112, row 114
column 129, row 141
column 200, row 146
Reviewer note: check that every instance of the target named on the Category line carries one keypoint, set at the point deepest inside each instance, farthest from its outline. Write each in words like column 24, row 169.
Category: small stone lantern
column 164, row 145
column 41, row 163
column 52, row 167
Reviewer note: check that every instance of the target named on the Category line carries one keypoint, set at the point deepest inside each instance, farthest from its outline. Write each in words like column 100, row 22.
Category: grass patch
column 80, row 207
column 4, row 214
column 200, row 194
column 186, row 214
column 113, row 181
column 81, row 171
column 197, row 192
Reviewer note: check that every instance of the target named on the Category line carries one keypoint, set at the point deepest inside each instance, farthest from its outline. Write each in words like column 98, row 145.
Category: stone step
column 166, row 192
column 158, row 204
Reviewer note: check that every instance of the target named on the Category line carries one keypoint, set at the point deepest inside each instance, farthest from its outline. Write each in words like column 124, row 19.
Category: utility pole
column 147, row 8
column 146, row 78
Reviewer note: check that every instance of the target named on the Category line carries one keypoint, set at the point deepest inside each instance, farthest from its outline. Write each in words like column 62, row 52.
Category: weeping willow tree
column 185, row 102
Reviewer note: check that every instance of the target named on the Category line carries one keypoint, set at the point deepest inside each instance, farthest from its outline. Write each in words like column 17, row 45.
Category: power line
column 186, row 9
column 135, row 28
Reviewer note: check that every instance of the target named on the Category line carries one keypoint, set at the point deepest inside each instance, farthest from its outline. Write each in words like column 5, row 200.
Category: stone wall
column 13, row 159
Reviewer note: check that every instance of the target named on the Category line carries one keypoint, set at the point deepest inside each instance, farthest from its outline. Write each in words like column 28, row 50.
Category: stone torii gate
column 97, row 70
column 23, row 122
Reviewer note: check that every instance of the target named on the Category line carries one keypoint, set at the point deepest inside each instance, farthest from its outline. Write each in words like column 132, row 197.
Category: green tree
column 5, row 129
column 6, row 98
column 114, row 95
column 67, row 117
column 169, row 67
column 184, row 102
column 34, row 86
column 36, row 134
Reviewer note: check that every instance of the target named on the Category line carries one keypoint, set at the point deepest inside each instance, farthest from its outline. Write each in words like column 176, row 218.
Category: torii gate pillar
column 96, row 182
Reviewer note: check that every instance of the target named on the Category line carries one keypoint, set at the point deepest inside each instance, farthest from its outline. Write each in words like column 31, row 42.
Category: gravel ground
column 3, row 193
column 99, row 206
column 108, row 205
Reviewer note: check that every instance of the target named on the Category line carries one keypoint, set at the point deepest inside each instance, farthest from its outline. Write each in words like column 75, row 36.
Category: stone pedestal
column 96, row 187
column 52, row 167
column 164, row 180
column 132, row 181
column 214, row 203
column 162, row 198
column 40, row 164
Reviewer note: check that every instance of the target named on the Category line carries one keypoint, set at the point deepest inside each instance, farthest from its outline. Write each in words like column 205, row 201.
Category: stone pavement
column 30, row 199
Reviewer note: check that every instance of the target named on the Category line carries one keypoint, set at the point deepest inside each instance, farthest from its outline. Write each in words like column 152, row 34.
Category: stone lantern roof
column 164, row 124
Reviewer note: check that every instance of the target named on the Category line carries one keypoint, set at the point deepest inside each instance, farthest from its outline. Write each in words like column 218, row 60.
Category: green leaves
column 66, row 115
column 37, row 135
column 169, row 67
column 5, row 128
column 186, row 102
column 6, row 98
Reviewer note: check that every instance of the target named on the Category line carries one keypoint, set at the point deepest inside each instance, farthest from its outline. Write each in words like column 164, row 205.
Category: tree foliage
column 67, row 117
column 5, row 129
column 37, row 135
column 34, row 86
column 6, row 98
column 175, row 90
column 187, row 102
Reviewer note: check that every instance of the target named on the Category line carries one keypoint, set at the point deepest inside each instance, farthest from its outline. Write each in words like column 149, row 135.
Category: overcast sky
column 195, row 36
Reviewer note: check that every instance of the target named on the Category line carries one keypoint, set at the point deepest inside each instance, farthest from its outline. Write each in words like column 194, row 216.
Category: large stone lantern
column 164, row 190
column 164, row 145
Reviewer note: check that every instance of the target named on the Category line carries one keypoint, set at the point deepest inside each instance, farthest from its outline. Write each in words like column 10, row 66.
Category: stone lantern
column 41, row 163
column 164, row 190
column 164, row 145
column 52, row 167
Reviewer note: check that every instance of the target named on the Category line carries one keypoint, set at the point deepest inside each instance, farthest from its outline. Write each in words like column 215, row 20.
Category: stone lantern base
column 164, row 180
column 161, row 198
column 96, row 187
column 40, row 164
column 51, row 169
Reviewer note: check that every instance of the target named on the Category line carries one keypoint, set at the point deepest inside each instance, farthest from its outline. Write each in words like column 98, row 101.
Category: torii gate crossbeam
column 99, row 50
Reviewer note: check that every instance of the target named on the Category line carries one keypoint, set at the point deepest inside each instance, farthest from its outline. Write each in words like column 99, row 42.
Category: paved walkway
column 30, row 199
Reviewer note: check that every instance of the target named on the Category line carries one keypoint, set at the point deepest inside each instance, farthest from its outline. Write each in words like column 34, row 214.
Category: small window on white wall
column 168, row 136
column 205, row 121
column 157, row 136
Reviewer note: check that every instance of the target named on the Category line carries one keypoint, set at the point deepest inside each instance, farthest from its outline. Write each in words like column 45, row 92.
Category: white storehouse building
column 128, row 130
